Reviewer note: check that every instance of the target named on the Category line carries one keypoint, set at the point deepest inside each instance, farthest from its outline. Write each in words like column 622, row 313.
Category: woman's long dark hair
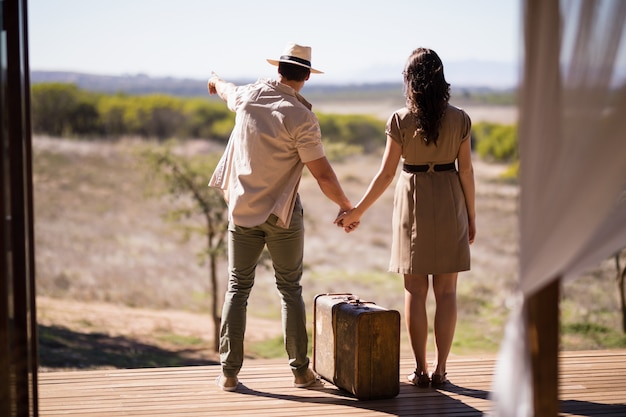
column 427, row 92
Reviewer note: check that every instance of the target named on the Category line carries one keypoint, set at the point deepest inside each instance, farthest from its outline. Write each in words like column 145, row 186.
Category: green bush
column 111, row 111
column 53, row 106
column 337, row 151
column 511, row 174
column 364, row 131
column 155, row 116
column 207, row 119
column 495, row 142
column 221, row 129
column 65, row 110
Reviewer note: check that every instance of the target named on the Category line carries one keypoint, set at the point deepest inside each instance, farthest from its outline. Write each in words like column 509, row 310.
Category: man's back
column 274, row 135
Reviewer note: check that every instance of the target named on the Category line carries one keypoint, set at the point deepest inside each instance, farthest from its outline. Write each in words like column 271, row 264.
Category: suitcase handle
column 351, row 299
column 345, row 297
column 357, row 301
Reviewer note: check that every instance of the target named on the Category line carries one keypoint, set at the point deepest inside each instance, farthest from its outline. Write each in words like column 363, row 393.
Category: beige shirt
column 455, row 128
column 275, row 133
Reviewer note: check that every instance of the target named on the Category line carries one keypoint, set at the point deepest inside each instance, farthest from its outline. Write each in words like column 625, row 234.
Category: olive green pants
column 285, row 247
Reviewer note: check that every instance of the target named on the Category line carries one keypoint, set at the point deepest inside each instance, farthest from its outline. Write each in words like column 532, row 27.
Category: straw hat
column 296, row 54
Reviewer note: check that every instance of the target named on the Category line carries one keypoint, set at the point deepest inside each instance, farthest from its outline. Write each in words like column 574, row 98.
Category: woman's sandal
column 419, row 379
column 438, row 380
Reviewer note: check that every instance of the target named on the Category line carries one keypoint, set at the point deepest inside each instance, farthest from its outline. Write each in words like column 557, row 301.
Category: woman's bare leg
column 415, row 292
column 444, row 286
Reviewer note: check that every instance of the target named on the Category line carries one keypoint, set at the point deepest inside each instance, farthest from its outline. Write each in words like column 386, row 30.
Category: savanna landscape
column 119, row 285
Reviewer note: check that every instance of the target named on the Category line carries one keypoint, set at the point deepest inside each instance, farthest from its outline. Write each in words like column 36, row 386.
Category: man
column 275, row 135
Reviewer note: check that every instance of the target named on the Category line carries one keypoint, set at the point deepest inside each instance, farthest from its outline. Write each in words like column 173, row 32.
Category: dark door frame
column 18, row 323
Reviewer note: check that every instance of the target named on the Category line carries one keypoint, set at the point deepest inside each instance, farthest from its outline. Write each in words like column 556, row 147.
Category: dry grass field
column 114, row 278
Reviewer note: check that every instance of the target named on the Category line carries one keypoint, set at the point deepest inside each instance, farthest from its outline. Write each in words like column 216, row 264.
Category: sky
column 352, row 40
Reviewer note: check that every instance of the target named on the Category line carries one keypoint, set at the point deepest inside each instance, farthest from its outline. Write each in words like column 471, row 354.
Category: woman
column 433, row 216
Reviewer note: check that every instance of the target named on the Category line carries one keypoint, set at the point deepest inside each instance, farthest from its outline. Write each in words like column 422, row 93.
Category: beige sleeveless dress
column 430, row 226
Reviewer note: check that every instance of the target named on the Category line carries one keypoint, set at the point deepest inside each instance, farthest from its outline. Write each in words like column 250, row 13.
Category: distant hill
column 138, row 84
column 129, row 84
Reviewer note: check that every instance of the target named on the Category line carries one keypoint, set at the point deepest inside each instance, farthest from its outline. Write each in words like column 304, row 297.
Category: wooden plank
column 267, row 390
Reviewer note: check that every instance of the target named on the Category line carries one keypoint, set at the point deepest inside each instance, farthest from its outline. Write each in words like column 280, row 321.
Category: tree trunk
column 214, row 306
column 621, row 277
column 622, row 297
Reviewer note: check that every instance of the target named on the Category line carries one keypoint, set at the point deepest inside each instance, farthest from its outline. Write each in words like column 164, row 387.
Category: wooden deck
column 593, row 383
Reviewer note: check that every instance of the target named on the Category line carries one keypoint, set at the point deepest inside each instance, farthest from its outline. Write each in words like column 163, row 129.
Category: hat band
column 296, row 59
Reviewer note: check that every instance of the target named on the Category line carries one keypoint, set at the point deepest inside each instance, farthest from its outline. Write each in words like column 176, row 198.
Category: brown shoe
column 306, row 380
column 419, row 379
column 438, row 380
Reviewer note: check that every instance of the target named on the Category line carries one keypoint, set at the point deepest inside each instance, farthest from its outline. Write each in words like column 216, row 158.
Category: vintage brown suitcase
column 356, row 345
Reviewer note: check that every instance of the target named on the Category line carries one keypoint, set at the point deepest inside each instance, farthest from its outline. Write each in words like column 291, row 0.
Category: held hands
column 348, row 219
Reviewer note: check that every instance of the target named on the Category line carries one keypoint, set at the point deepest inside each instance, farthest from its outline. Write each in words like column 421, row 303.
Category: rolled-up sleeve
column 308, row 138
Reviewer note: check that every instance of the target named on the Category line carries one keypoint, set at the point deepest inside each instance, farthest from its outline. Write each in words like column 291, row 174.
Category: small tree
column 186, row 180
column 620, row 278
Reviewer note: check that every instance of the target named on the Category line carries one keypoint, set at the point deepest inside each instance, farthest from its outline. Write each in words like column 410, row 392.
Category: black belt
column 423, row 168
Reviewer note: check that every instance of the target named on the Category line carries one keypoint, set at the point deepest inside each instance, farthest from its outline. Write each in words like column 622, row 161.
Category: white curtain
column 572, row 136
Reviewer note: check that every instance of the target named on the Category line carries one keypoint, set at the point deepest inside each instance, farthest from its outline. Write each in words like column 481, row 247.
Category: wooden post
column 542, row 311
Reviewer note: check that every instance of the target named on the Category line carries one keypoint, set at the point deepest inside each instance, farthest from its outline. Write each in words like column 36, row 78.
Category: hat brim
column 275, row 62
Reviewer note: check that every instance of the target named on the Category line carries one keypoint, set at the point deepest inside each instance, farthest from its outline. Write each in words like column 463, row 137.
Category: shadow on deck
column 593, row 383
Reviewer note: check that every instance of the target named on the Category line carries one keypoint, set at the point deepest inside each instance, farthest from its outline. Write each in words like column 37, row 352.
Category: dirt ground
column 119, row 287
column 109, row 265
column 161, row 337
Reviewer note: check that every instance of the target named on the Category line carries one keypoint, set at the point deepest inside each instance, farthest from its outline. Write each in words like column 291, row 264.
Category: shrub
column 207, row 119
column 52, row 107
column 64, row 110
column 496, row 142
column 336, row 151
column 364, row 131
